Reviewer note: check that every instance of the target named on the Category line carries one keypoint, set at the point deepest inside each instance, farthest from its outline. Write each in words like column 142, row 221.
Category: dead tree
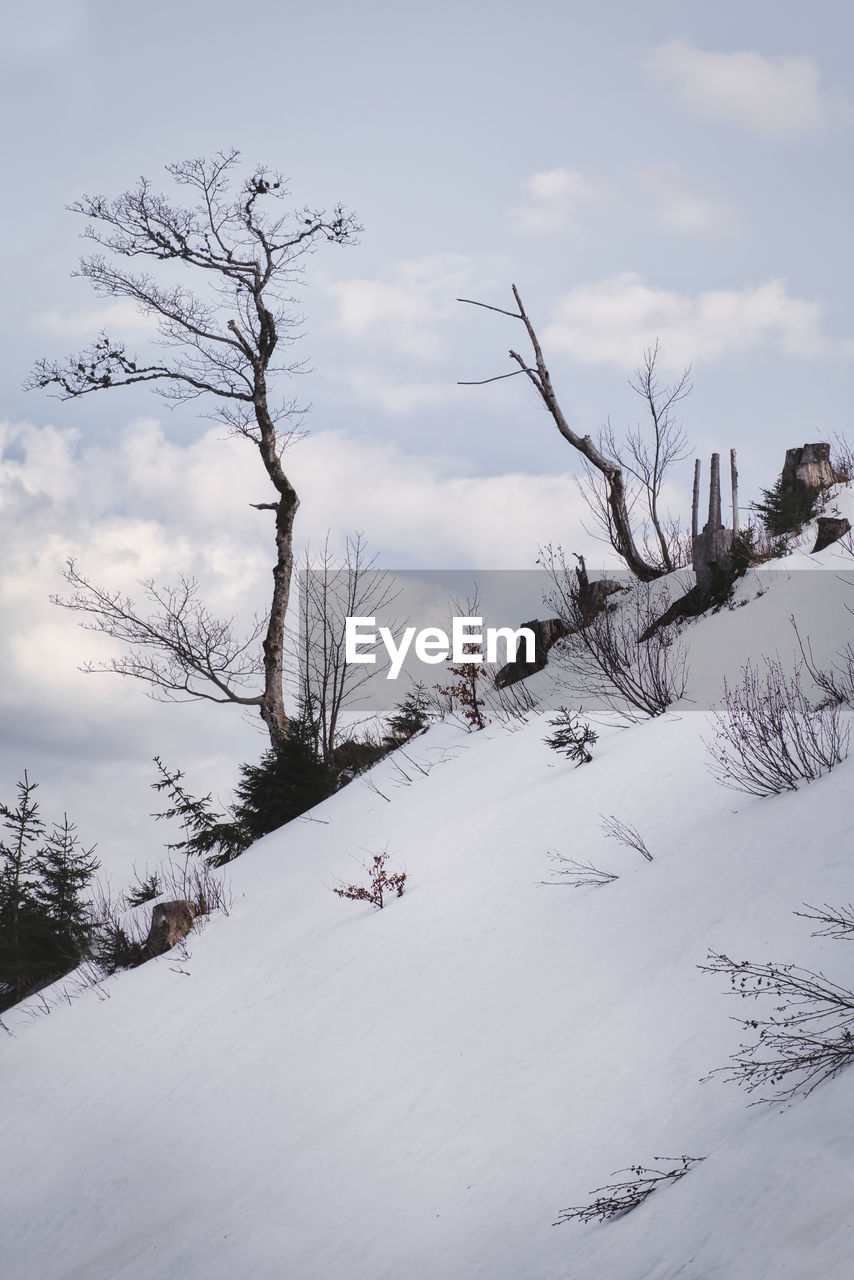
column 647, row 456
column 226, row 340
column 329, row 594
column 712, row 545
column 617, row 503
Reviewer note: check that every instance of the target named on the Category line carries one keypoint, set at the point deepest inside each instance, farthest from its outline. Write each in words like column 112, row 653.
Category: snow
column 324, row 1090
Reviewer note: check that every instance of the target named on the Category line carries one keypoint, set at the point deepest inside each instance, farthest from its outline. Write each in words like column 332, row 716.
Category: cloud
column 773, row 97
column 555, row 198
column 406, row 313
column 680, row 204
column 370, row 386
column 611, row 322
column 83, row 323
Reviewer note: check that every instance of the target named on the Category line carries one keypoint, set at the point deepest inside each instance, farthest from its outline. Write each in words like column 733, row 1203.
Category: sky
column 671, row 171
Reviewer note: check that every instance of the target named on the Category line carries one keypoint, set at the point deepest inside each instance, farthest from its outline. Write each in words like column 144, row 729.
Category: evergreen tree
column 18, row 907
column 286, row 782
column 206, row 832
column 64, row 872
column 571, row 737
column 45, row 928
column 411, row 715
column 786, row 507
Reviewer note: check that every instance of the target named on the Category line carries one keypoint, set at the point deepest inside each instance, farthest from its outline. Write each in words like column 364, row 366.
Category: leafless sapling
column 380, row 884
column 330, row 592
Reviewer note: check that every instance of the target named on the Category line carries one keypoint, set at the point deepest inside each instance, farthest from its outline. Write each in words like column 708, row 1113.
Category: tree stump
column 170, row 922
column 808, row 467
column 830, row 530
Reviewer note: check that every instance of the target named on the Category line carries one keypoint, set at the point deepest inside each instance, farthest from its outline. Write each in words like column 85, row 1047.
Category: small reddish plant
column 381, row 886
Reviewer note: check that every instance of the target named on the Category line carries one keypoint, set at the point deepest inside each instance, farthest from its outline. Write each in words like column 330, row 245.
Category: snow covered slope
column 324, row 1090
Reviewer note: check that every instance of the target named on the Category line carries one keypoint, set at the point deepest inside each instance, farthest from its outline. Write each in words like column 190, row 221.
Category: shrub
column 619, row 1198
column 769, row 737
column 464, row 693
column 628, row 835
column 381, row 885
column 577, row 875
column 808, row 1036
column 606, row 658
column 571, row 737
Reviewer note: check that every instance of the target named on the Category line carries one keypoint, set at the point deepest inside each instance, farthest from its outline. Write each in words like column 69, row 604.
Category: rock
column 170, row 922
column 830, row 530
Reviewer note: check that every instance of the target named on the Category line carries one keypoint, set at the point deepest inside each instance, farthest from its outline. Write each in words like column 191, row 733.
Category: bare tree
column 226, row 340
column 329, row 594
column 647, row 457
column 646, row 460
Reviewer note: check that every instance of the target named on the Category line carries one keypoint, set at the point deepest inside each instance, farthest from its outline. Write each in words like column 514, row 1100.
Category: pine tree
column 285, row 783
column 45, row 926
column 64, row 872
column 206, row 832
column 571, row 737
column 18, row 906
column 786, row 507
column 411, row 716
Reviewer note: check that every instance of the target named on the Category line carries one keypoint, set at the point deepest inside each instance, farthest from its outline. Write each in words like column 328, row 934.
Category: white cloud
column 679, row 203
column 774, row 97
column 554, row 200
column 408, row 312
column 120, row 319
column 420, row 512
column 611, row 322
column 370, row 386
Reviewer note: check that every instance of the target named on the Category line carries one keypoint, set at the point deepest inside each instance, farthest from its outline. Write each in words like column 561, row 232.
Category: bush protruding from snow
column 769, row 736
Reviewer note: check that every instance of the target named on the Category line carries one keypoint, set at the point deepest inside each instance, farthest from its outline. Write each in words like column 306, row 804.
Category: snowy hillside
column 327, row 1091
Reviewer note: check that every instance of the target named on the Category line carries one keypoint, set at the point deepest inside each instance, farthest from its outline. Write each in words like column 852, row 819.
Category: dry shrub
column 769, row 736
column 604, row 656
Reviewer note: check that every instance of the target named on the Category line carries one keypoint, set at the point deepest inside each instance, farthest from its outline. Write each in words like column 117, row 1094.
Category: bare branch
column 621, row 534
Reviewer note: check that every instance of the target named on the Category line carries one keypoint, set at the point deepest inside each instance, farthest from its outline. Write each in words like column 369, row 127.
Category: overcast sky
column 671, row 170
